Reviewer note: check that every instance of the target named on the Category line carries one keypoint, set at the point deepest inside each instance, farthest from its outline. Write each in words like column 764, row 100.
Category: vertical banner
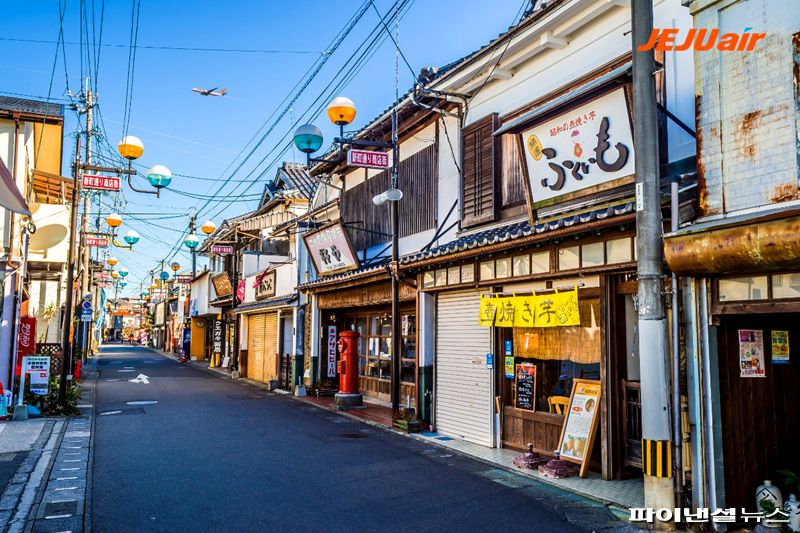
column 751, row 353
column 331, row 351
column 217, row 336
column 26, row 337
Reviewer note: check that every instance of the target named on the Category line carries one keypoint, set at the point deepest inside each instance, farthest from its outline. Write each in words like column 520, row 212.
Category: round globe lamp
column 130, row 147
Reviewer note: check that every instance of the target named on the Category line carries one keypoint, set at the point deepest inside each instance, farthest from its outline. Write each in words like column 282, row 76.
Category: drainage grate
column 61, row 508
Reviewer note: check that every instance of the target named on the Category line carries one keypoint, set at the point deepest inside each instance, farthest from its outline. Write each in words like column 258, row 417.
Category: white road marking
column 128, row 367
column 110, row 413
column 69, row 469
column 73, row 447
column 83, row 405
column 66, row 488
column 126, row 370
column 72, row 460
column 66, row 478
column 115, row 379
column 56, row 516
column 142, row 402
column 141, row 378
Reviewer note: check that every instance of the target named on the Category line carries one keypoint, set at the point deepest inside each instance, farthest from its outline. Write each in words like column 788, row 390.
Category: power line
column 175, row 48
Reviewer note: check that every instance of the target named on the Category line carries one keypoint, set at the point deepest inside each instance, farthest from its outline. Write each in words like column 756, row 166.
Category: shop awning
column 545, row 108
column 266, row 304
column 10, row 197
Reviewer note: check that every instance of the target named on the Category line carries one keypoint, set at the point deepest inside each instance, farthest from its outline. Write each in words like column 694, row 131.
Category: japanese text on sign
column 585, row 147
column 331, row 351
column 99, row 242
column 38, row 368
column 537, row 311
column 366, row 158
column 103, row 183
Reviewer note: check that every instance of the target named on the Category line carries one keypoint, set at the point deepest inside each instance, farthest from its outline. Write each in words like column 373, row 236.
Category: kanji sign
column 331, row 351
column 38, row 368
column 98, row 242
column 265, row 285
column 330, row 250
column 26, row 336
column 584, row 147
column 101, row 183
column 221, row 249
column 536, row 311
column 368, row 159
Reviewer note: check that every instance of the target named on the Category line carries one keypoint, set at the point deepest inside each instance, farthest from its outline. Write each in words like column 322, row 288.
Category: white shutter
column 463, row 392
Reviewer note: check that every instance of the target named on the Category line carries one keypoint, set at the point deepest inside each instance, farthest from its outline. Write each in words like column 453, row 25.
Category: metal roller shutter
column 270, row 368
column 256, row 327
column 463, row 383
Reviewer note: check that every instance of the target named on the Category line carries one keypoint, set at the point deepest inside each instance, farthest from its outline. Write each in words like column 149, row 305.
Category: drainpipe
column 677, row 432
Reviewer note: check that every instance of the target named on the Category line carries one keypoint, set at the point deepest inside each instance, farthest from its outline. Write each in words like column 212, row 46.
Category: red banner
column 26, row 340
column 101, row 183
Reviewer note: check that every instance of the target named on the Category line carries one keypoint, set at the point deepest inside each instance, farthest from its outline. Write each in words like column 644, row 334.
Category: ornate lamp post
column 131, row 237
column 159, row 176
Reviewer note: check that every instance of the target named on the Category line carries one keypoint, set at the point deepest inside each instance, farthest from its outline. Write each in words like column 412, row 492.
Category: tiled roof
column 291, row 181
column 515, row 231
column 375, row 268
column 265, row 304
column 34, row 107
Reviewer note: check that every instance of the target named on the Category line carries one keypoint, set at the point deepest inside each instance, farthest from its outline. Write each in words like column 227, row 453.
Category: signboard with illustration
column 222, row 285
column 780, row 347
column 331, row 251
column 536, row 311
column 580, row 422
column 525, row 386
column 751, row 353
column 584, row 147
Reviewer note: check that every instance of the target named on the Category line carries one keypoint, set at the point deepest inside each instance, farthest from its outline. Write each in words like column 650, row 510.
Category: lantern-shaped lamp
column 112, row 261
column 164, row 275
column 175, row 266
column 115, row 274
column 114, row 220
column 159, row 176
column 191, row 241
column 123, row 283
column 308, row 138
column 123, row 271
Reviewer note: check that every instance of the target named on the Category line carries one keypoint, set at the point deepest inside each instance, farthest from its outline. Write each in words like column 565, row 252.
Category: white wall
column 285, row 282
column 201, row 295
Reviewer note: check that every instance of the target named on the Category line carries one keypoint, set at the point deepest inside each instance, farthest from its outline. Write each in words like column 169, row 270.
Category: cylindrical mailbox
column 347, row 366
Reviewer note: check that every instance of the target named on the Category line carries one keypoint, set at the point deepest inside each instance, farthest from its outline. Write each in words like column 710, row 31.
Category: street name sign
column 98, row 242
column 100, row 183
column 221, row 249
column 367, row 159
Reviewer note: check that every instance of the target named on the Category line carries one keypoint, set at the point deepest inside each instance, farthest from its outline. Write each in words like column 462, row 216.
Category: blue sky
column 201, row 136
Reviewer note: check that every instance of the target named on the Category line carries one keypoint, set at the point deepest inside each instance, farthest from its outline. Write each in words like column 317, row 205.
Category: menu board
column 577, row 434
column 525, row 386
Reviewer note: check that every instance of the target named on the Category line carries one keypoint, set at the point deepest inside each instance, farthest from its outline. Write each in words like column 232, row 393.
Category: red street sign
column 221, row 249
column 367, row 159
column 102, row 183
column 99, row 242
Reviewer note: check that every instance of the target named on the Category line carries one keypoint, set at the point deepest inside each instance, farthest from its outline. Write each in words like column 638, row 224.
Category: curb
column 87, row 507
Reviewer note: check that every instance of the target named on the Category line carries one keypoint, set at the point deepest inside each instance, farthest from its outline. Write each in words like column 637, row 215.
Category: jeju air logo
column 702, row 39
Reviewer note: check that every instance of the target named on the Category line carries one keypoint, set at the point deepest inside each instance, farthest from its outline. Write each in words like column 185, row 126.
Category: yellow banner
column 536, row 311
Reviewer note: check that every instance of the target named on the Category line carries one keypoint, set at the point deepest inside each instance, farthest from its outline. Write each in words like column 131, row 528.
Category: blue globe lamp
column 164, row 275
column 308, row 139
column 191, row 241
column 132, row 237
column 159, row 176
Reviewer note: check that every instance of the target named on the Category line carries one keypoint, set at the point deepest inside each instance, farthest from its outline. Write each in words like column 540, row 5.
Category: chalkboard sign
column 525, row 386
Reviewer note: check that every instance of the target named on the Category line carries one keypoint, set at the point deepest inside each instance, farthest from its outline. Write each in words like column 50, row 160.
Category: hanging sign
column 97, row 242
column 780, row 347
column 100, row 183
column 525, row 386
column 217, row 336
column 222, row 285
column 580, row 422
column 330, row 250
column 584, row 147
column 367, row 159
column 221, row 249
column 38, row 368
column 331, row 351
column 26, row 336
column 537, row 311
column 751, row 353
column 265, row 285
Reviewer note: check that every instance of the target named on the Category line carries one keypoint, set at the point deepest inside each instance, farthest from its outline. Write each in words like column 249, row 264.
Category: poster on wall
column 751, row 353
column 577, row 434
column 525, row 386
column 780, row 347
column 330, row 250
column 331, row 351
column 584, row 147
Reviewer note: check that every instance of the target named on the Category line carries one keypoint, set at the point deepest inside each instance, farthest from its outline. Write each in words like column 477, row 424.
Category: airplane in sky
column 211, row 92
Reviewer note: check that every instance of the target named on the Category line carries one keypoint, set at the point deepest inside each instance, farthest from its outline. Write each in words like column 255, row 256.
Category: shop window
column 619, row 250
column 540, row 263
column 522, row 265
column 745, row 288
column 427, row 280
column 785, row 286
column 592, row 255
column 375, row 347
column 441, row 277
column 502, row 268
column 453, row 275
column 487, row 270
column 467, row 273
column 569, row 258
column 561, row 354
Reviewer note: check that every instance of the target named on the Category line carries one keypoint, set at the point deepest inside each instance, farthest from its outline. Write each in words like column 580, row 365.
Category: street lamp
column 341, row 111
column 175, row 267
column 115, row 274
column 131, row 237
column 208, row 227
column 159, row 176
column 123, row 283
column 122, row 271
column 164, row 276
column 308, row 139
column 112, row 261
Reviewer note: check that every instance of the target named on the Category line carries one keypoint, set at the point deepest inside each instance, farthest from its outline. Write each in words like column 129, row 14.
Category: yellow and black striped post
column 657, row 458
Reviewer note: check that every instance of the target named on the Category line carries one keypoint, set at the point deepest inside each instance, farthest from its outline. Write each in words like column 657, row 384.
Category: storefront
column 361, row 301
column 202, row 316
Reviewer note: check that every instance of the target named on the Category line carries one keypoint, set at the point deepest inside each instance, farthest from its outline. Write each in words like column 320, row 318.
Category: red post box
column 347, row 367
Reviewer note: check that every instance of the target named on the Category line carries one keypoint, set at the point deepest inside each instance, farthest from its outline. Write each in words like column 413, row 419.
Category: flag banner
column 536, row 311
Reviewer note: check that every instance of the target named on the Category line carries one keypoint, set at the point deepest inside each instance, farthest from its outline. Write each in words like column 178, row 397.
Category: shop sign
column 584, row 147
column 38, row 368
column 26, row 336
column 525, row 386
column 508, row 367
column 331, row 351
column 577, row 434
column 97, row 242
column 100, row 183
column 536, row 311
column 367, row 159
column 780, row 347
column 751, row 353
column 222, row 285
column 221, row 249
column 217, row 336
column 331, row 250
column 265, row 285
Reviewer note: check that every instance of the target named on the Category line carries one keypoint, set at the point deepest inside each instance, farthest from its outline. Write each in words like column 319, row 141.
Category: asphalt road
column 217, row 455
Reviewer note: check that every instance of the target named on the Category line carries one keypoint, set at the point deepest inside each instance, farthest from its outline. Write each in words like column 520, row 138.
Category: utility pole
column 87, row 203
column 66, row 346
column 655, row 382
column 192, row 229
